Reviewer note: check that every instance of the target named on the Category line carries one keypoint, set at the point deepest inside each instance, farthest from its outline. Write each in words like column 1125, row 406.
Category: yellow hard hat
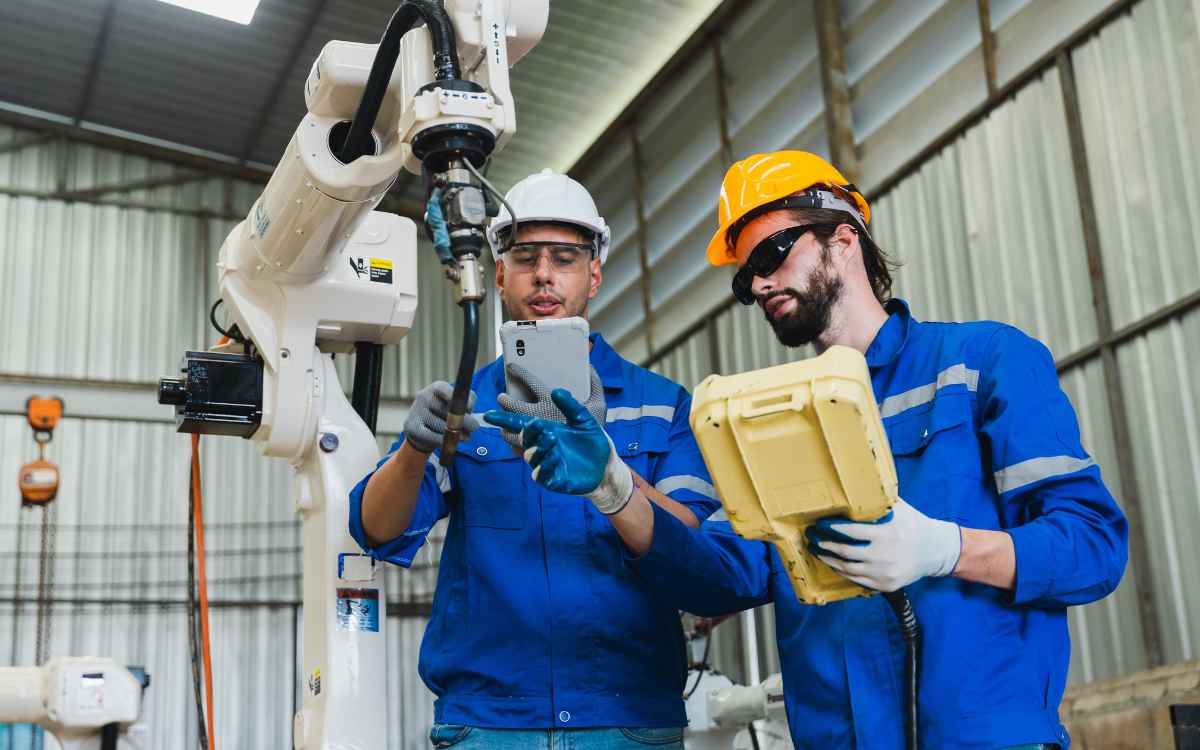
column 763, row 179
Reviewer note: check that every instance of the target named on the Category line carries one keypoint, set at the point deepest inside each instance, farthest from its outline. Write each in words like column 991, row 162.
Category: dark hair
column 879, row 265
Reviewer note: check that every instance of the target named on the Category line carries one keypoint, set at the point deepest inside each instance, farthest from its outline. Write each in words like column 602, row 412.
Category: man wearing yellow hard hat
column 1004, row 522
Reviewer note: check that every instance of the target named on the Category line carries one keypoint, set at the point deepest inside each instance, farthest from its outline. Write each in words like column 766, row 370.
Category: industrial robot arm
column 314, row 269
column 86, row 703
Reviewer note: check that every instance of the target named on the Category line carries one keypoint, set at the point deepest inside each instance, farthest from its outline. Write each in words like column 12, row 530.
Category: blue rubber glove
column 888, row 554
column 575, row 458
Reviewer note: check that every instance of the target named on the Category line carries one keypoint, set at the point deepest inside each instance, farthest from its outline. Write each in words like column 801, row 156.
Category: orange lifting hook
column 38, row 479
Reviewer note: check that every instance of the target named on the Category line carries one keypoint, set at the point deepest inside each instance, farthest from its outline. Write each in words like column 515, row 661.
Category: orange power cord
column 204, row 637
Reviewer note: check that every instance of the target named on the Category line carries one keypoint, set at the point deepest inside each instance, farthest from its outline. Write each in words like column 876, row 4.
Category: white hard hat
column 549, row 196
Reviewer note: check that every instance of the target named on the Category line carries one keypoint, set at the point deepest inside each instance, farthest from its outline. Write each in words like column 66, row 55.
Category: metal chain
column 40, row 653
column 20, row 565
column 51, row 570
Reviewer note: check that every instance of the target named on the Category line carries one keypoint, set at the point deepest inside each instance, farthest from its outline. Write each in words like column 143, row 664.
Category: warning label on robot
column 358, row 610
column 381, row 270
column 373, row 269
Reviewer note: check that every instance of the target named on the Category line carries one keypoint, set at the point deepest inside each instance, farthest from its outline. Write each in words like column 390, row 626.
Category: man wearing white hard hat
column 540, row 635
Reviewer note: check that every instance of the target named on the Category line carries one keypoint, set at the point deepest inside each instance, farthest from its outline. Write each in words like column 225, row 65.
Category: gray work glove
column 425, row 427
column 542, row 407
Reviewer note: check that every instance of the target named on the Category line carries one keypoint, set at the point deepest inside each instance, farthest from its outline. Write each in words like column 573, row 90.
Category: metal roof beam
column 19, row 144
column 839, row 118
column 93, row 69
column 988, row 38
column 53, row 195
column 131, row 144
column 125, row 401
column 293, row 56
column 148, row 183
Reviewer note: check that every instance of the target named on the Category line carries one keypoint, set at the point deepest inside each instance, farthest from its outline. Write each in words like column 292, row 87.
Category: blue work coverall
column 537, row 622
column 982, row 435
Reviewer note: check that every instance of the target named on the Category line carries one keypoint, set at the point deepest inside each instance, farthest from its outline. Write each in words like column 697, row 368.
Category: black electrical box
column 219, row 394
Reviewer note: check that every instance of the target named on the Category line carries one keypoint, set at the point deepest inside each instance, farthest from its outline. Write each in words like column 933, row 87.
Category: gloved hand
column 888, row 554
column 425, row 426
column 576, row 457
column 542, row 405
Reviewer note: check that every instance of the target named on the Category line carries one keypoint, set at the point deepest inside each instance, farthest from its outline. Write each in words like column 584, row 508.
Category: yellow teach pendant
column 790, row 444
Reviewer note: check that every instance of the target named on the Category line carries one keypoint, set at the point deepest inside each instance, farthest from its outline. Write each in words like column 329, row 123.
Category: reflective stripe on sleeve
column 923, row 394
column 1036, row 469
column 686, row 482
column 623, row 413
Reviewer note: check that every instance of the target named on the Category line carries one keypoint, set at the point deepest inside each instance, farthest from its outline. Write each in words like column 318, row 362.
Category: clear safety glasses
column 564, row 257
column 765, row 259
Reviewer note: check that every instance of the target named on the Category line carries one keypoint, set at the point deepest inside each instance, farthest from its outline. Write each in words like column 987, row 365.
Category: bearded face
column 800, row 316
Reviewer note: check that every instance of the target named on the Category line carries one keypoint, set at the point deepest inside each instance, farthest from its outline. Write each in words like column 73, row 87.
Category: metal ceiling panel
column 203, row 82
column 47, row 51
column 171, row 73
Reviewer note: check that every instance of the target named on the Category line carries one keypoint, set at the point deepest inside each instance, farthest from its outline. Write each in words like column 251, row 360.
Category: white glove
column 888, row 555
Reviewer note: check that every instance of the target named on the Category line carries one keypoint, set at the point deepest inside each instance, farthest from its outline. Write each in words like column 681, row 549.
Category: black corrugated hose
column 445, row 61
column 368, row 376
column 466, row 369
column 109, row 736
column 369, row 356
column 912, row 659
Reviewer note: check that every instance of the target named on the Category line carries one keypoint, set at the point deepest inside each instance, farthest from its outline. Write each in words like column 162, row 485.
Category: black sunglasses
column 765, row 259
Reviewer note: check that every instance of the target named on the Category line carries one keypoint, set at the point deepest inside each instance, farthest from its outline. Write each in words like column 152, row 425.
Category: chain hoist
column 38, row 481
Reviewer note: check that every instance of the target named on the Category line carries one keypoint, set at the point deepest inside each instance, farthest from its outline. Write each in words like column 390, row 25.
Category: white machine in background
column 315, row 270
column 85, row 703
column 720, row 714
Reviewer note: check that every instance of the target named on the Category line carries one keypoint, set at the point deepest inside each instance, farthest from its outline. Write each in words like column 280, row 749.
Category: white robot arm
column 86, row 703
column 314, row 269
column 721, row 715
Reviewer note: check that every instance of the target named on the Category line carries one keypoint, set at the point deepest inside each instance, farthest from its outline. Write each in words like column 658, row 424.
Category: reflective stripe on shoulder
column 718, row 515
column 443, row 475
column 623, row 413
column 923, row 394
column 1036, row 469
column 686, row 482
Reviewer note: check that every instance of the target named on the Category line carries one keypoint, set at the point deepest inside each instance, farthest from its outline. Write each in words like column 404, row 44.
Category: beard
column 813, row 309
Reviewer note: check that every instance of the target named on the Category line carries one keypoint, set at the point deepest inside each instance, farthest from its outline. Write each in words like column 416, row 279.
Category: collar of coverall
column 890, row 340
column 607, row 364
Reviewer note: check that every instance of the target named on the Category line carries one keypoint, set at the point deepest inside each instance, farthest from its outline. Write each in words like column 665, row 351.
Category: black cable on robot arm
column 445, row 62
column 466, row 361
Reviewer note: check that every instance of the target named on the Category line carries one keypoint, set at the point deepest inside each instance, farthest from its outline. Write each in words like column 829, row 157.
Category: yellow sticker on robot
column 381, row 270
column 372, row 269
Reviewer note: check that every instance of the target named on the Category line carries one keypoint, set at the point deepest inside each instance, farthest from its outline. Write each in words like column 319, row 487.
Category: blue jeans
column 475, row 738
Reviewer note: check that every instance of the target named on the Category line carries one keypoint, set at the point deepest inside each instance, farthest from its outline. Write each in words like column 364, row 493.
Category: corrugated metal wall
column 91, row 292
column 1139, row 87
column 914, row 68
column 989, row 227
